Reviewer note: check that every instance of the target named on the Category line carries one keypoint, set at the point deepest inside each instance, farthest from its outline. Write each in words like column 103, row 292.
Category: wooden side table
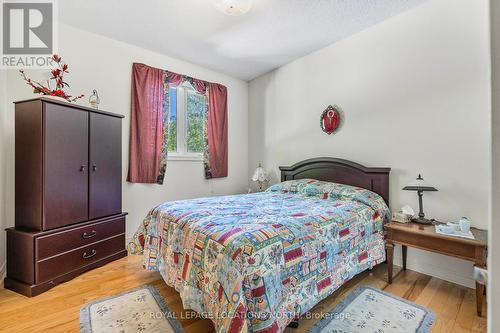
column 424, row 237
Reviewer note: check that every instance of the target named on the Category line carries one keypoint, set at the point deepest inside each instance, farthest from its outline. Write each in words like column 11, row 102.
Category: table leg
column 479, row 298
column 390, row 256
column 404, row 250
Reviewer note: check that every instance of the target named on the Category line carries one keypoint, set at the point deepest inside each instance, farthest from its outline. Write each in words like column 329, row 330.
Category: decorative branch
column 57, row 76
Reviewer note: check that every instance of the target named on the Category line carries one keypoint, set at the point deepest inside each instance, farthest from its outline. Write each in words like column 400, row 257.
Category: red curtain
column 175, row 80
column 199, row 85
column 146, row 129
column 146, row 123
column 217, row 130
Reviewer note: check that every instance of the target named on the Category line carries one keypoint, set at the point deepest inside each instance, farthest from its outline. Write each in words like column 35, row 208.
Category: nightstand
column 424, row 237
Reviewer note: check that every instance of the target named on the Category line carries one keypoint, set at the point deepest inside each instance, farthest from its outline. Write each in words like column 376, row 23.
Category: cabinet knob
column 94, row 168
column 89, row 255
column 82, row 168
column 87, row 235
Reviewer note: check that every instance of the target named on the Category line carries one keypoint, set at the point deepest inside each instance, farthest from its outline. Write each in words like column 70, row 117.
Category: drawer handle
column 87, row 256
column 87, row 235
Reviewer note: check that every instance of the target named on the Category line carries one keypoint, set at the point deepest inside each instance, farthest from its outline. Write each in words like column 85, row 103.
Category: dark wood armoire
column 68, row 184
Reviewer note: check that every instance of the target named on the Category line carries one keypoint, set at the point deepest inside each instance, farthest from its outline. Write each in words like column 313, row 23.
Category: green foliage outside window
column 196, row 116
column 172, row 135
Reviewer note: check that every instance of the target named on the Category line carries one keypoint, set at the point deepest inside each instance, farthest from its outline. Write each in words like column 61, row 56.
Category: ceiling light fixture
column 233, row 7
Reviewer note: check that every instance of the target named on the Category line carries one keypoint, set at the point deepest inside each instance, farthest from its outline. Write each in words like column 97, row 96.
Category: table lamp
column 260, row 176
column 420, row 192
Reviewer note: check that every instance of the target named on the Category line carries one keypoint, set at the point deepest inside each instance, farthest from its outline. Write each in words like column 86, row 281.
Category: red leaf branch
column 58, row 77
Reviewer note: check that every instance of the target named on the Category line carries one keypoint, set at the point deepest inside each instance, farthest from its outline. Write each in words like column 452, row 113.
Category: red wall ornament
column 331, row 119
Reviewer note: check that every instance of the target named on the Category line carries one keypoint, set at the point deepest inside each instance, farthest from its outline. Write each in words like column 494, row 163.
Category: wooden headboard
column 341, row 171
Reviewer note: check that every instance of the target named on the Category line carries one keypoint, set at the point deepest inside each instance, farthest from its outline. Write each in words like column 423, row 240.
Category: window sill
column 185, row 157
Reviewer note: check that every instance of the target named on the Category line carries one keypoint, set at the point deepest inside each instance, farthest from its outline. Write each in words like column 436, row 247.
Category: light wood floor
column 58, row 309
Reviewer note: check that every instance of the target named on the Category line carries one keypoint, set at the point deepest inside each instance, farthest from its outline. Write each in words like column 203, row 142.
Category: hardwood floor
column 58, row 309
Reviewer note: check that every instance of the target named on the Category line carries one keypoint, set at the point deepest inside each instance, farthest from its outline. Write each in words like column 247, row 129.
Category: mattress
column 254, row 262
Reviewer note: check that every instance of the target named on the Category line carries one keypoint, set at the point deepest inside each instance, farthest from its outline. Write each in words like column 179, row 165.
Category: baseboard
column 443, row 267
column 3, row 272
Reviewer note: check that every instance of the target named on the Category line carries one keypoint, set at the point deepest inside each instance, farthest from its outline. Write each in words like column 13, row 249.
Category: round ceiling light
column 233, row 7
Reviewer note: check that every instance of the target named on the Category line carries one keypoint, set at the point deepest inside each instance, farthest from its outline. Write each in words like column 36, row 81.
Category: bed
column 255, row 262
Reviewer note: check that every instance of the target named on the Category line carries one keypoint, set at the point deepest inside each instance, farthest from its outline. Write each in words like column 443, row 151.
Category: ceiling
column 272, row 34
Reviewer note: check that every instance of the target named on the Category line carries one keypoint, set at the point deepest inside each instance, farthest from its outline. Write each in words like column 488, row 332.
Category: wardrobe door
column 65, row 166
column 105, row 166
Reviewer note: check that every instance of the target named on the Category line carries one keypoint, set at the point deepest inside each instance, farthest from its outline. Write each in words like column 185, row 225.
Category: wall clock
column 331, row 119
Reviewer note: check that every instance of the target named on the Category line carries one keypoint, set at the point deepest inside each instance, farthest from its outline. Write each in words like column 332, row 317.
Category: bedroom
column 413, row 87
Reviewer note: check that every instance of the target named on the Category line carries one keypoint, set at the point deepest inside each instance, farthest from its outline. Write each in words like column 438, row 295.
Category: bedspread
column 253, row 262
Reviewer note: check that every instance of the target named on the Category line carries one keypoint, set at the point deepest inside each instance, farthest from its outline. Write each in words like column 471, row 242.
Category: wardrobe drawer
column 55, row 266
column 63, row 241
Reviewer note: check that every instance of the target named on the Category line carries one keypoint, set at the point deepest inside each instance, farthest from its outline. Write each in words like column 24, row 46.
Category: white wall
column 415, row 91
column 105, row 64
column 493, row 292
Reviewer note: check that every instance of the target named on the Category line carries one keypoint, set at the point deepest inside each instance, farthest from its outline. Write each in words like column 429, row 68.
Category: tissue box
column 401, row 217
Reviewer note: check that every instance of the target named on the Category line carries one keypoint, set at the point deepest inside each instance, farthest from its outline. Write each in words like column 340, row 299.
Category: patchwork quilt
column 254, row 262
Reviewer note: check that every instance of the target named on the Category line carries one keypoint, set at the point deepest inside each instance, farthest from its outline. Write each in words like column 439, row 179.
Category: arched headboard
column 340, row 171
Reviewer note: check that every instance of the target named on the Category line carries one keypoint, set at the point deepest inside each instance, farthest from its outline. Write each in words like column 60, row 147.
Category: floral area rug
column 368, row 309
column 138, row 310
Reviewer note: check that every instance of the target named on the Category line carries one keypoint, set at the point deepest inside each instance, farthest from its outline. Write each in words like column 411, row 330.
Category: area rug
column 139, row 310
column 369, row 309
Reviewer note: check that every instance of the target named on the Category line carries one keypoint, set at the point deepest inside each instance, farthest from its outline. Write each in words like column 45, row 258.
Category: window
column 186, row 132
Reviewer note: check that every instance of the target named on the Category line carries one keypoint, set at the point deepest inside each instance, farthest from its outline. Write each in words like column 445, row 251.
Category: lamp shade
column 420, row 186
column 259, row 174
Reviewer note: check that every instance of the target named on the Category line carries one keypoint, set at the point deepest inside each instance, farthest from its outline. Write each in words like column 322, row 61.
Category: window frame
column 182, row 153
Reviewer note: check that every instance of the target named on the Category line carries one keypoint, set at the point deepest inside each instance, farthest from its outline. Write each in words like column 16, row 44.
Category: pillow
column 364, row 196
column 292, row 186
column 312, row 190
column 332, row 191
